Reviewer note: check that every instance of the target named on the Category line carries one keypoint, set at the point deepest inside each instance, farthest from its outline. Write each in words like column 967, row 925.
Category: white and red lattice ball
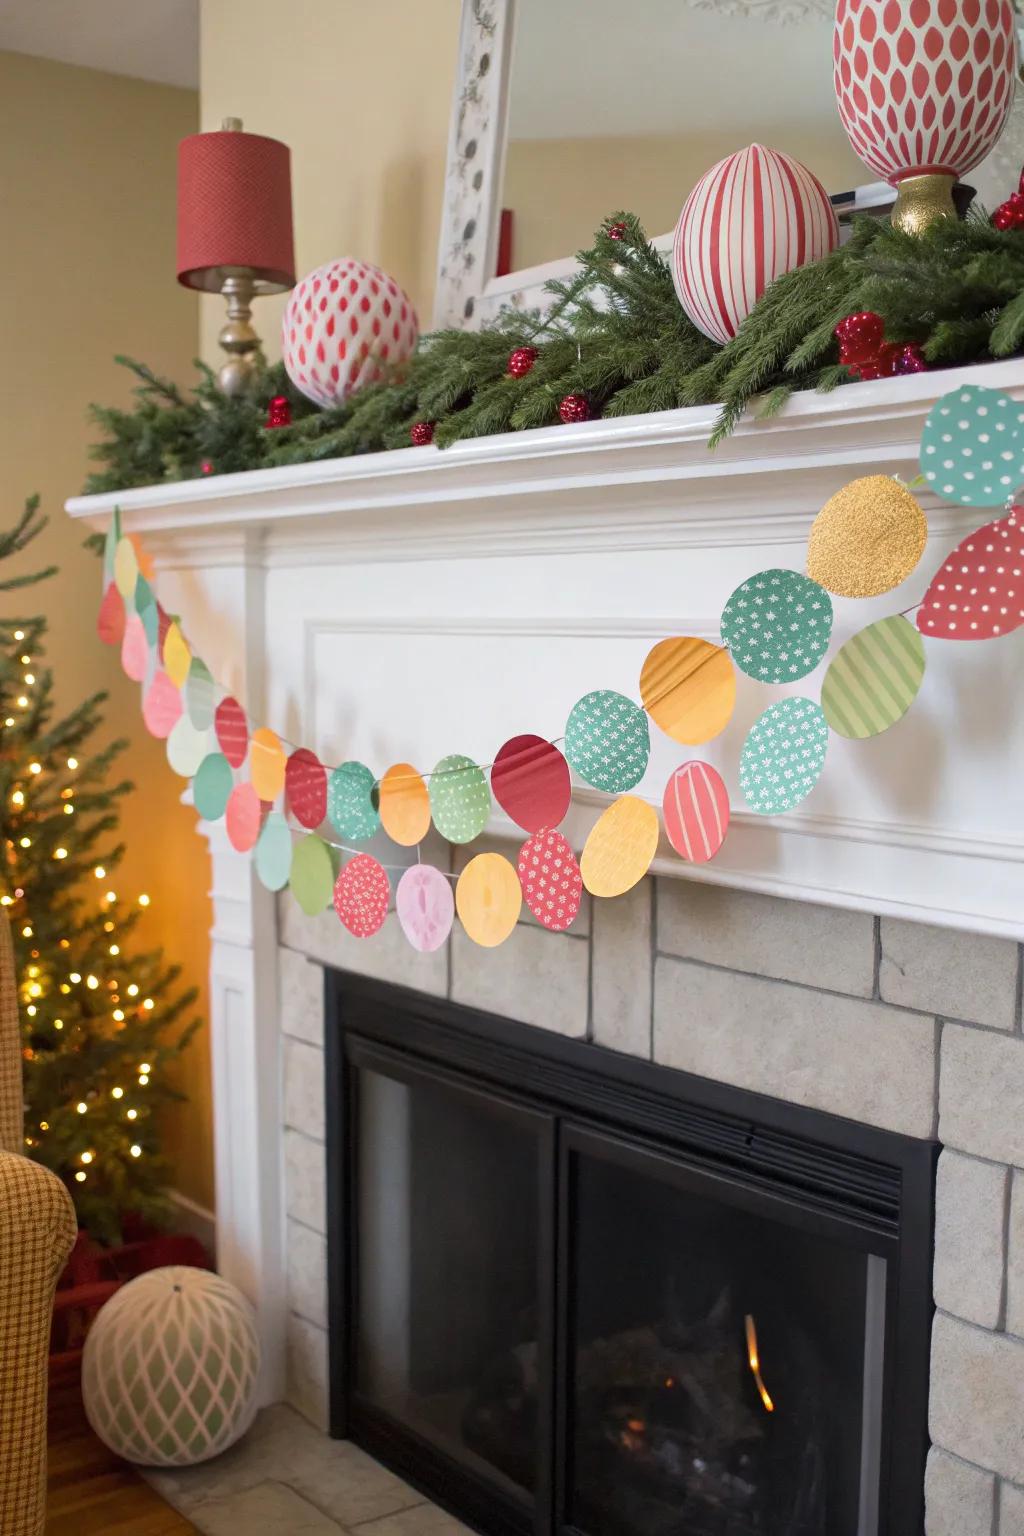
column 923, row 85
column 343, row 323
column 753, row 216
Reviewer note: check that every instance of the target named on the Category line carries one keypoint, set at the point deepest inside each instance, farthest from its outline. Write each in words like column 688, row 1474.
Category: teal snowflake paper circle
column 783, row 755
column 352, row 804
column 777, row 626
column 608, row 741
column 460, row 801
column 972, row 446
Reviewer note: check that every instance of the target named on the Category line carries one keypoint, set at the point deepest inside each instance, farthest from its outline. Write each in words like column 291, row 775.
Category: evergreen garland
column 615, row 333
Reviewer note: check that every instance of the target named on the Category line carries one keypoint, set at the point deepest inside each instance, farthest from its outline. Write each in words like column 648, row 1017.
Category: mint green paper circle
column 147, row 610
column 777, row 625
column 274, row 852
column 460, row 801
column 212, row 785
column 783, row 755
column 199, row 694
column 352, row 802
column 608, row 741
column 971, row 446
column 312, row 876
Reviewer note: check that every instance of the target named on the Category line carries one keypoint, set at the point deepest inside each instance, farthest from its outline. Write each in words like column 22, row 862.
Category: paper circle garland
column 696, row 810
column 134, row 649
column 777, row 625
column 688, row 688
column 488, row 898
column 126, row 567
column 361, row 896
column 311, row 879
column 342, row 324
column 199, row 692
column 608, row 741
column 972, row 450
column 425, row 907
column 551, row 880
column 459, row 799
column 305, row 788
column 274, row 852
column 267, row 763
column 867, row 538
column 352, row 803
column 242, row 817
column 979, row 592
column 212, row 786
column 874, row 679
column 783, row 755
column 531, row 782
column 404, row 805
column 754, row 215
column 621, row 845
column 161, row 706
column 186, row 747
column 232, row 730
column 148, row 610
column 111, row 621
column 176, row 655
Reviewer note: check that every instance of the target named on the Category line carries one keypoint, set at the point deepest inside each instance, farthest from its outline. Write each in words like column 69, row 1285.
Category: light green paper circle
column 147, row 610
column 608, row 741
column 783, row 755
column 199, row 694
column 460, row 801
column 312, row 876
column 274, row 852
column 352, row 802
column 186, row 747
column 212, row 785
column 777, row 626
column 874, row 679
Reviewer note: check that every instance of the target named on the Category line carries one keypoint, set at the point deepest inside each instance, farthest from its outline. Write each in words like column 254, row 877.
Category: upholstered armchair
column 37, row 1230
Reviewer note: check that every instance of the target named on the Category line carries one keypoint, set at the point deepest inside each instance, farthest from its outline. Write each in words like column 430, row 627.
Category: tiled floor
column 287, row 1478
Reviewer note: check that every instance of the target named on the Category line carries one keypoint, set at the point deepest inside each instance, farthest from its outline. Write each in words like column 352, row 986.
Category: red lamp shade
column 234, row 210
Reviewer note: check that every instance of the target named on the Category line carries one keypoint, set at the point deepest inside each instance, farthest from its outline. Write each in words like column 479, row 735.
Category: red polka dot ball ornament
column 343, row 325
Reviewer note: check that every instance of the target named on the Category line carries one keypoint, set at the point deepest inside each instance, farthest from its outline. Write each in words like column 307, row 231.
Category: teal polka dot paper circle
column 777, row 626
column 972, row 447
column 352, row 803
column 783, row 755
column 274, row 852
column 460, row 801
column 608, row 741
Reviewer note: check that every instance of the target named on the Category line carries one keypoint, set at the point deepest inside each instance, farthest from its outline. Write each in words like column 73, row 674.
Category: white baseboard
column 195, row 1219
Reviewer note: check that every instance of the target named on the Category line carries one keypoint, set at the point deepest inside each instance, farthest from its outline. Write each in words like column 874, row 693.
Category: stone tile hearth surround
column 912, row 1028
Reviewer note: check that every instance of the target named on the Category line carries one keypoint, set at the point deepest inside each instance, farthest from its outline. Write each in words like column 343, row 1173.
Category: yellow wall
column 87, row 193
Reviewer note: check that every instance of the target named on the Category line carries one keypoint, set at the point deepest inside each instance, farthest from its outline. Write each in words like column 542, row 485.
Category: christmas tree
column 97, row 1017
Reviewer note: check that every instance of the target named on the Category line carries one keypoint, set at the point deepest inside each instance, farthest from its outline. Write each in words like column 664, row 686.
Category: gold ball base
column 922, row 200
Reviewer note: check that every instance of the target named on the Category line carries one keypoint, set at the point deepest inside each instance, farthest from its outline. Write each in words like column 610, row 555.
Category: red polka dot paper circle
column 343, row 325
column 979, row 592
column 551, row 880
column 361, row 896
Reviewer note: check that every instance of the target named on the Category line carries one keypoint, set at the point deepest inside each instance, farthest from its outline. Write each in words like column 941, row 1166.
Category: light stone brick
column 1011, row 1510
column 807, row 1047
column 967, row 976
column 307, row 1273
column 301, row 996
column 304, row 1088
column 305, row 1180
column 970, row 1222
column 536, row 977
column 768, row 935
column 388, row 956
column 976, row 1405
column 1015, row 1258
column 308, row 1370
column 622, row 980
column 959, row 1499
column 981, row 1093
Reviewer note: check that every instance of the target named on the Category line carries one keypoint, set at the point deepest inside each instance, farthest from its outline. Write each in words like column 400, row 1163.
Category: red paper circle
column 696, row 807
column 305, row 787
column 551, row 880
column 979, row 592
column 243, row 816
column 232, row 730
column 110, row 624
column 530, row 781
column 161, row 707
column 361, row 895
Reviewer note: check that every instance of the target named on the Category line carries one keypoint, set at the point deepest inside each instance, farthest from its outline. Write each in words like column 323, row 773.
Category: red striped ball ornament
column 696, row 809
column 753, row 216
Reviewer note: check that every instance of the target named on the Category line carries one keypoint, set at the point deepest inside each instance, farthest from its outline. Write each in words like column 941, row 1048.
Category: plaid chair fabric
column 37, row 1230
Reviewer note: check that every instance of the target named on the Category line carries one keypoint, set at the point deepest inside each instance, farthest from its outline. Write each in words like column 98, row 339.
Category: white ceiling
column 149, row 39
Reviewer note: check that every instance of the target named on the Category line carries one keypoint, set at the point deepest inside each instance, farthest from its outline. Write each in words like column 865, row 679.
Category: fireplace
column 569, row 1290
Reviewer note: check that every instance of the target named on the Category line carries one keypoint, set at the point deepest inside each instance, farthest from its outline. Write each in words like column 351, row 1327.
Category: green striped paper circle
column 874, row 679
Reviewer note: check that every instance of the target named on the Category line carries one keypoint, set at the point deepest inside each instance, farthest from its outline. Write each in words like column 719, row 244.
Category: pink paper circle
column 551, row 880
column 135, row 649
column 530, row 781
column 232, row 730
column 111, row 621
column 305, row 787
column 696, row 808
column 361, row 895
column 243, row 816
column 161, row 707
column 425, row 907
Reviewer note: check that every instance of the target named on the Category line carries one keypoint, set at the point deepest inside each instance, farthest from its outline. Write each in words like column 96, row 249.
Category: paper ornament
column 311, row 879
column 696, row 811
column 361, row 896
column 551, row 881
column 232, row 730
column 531, row 782
column 867, row 538
column 111, row 540
column 488, row 898
column 148, row 610
column 267, row 761
column 212, row 786
column 161, row 706
column 200, row 691
column 688, row 688
column 608, row 741
column 777, row 625
column 404, row 805
column 425, row 906
column 460, row 802
column 621, row 845
column 243, row 815
column 134, row 649
column 754, row 215
column 874, row 678
column 341, row 325
column 176, row 655
column 186, row 747
column 111, row 621
column 352, row 802
column 972, row 447
column 783, row 755
column 274, row 852
column 126, row 568
column 305, row 789
column 979, row 592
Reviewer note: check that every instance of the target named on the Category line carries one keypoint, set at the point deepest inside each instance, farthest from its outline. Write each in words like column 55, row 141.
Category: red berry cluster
column 521, row 361
column 572, row 408
column 279, row 412
column 864, row 350
column 422, row 433
column 1010, row 215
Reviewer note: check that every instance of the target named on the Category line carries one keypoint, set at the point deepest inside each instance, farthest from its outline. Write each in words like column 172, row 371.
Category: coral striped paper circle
column 232, row 730
column 696, row 810
column 874, row 679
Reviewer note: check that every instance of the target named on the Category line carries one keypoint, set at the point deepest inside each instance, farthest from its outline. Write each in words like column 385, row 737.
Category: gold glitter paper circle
column 867, row 538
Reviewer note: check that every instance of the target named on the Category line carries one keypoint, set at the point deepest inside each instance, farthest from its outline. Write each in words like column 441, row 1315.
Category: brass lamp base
column 238, row 338
column 922, row 201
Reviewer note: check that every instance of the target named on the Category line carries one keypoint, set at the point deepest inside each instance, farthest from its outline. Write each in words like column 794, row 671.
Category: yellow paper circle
column 404, row 805
column 267, row 763
column 488, row 899
column 688, row 687
column 621, row 845
column 177, row 655
column 867, row 538
column 126, row 567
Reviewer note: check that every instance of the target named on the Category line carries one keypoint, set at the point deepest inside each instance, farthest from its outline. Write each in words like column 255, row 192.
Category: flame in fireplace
column 755, row 1363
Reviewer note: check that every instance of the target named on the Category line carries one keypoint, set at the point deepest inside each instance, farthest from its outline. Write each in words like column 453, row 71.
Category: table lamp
column 235, row 232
